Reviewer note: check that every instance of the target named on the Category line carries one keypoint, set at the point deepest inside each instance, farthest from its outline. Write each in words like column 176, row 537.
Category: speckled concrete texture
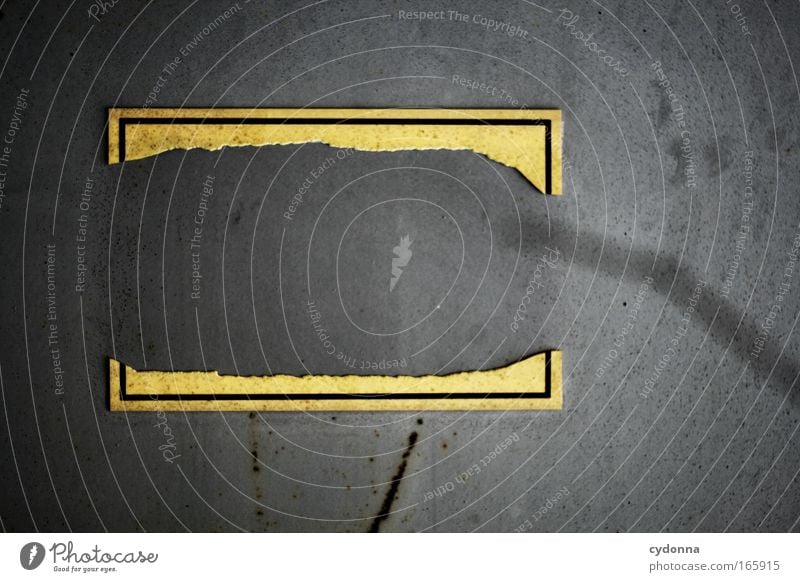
column 667, row 273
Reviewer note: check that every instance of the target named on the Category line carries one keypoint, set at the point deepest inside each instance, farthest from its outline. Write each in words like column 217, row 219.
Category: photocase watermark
column 100, row 8
column 53, row 340
column 402, row 256
column 736, row 10
column 319, row 330
column 547, row 260
column 299, row 196
column 501, row 94
column 82, row 234
column 69, row 560
column 31, row 555
column 476, row 468
column 546, row 508
column 568, row 20
column 486, row 22
column 670, row 549
column 677, row 338
column 678, row 114
column 743, row 233
column 166, row 71
column 66, row 559
column 10, row 136
column 346, row 359
column 621, row 337
column 173, row 65
column 196, row 240
column 765, row 330
column 169, row 448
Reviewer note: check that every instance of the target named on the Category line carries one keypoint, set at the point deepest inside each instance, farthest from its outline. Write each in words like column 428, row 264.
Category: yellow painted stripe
column 528, row 140
column 531, row 384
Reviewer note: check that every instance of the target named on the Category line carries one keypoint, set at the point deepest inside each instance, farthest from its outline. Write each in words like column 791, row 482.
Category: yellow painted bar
column 528, row 140
column 530, row 384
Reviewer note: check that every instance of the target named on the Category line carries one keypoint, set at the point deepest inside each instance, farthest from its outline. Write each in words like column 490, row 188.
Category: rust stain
column 255, row 464
column 394, row 486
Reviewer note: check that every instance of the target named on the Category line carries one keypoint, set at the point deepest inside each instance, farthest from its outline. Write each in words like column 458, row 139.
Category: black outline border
column 547, row 394
column 547, row 123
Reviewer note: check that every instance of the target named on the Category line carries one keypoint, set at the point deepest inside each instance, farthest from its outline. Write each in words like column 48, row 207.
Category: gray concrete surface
column 681, row 397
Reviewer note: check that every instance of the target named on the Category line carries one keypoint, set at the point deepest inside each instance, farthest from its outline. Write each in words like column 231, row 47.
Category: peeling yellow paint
column 528, row 140
column 530, row 384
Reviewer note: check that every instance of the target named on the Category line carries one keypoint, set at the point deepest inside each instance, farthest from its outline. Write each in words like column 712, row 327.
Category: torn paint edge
column 548, row 396
column 551, row 119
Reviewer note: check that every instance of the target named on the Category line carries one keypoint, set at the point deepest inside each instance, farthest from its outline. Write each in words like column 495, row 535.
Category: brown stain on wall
column 386, row 508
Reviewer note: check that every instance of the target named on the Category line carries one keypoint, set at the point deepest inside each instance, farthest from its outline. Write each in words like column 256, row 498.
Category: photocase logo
column 402, row 257
column 31, row 555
